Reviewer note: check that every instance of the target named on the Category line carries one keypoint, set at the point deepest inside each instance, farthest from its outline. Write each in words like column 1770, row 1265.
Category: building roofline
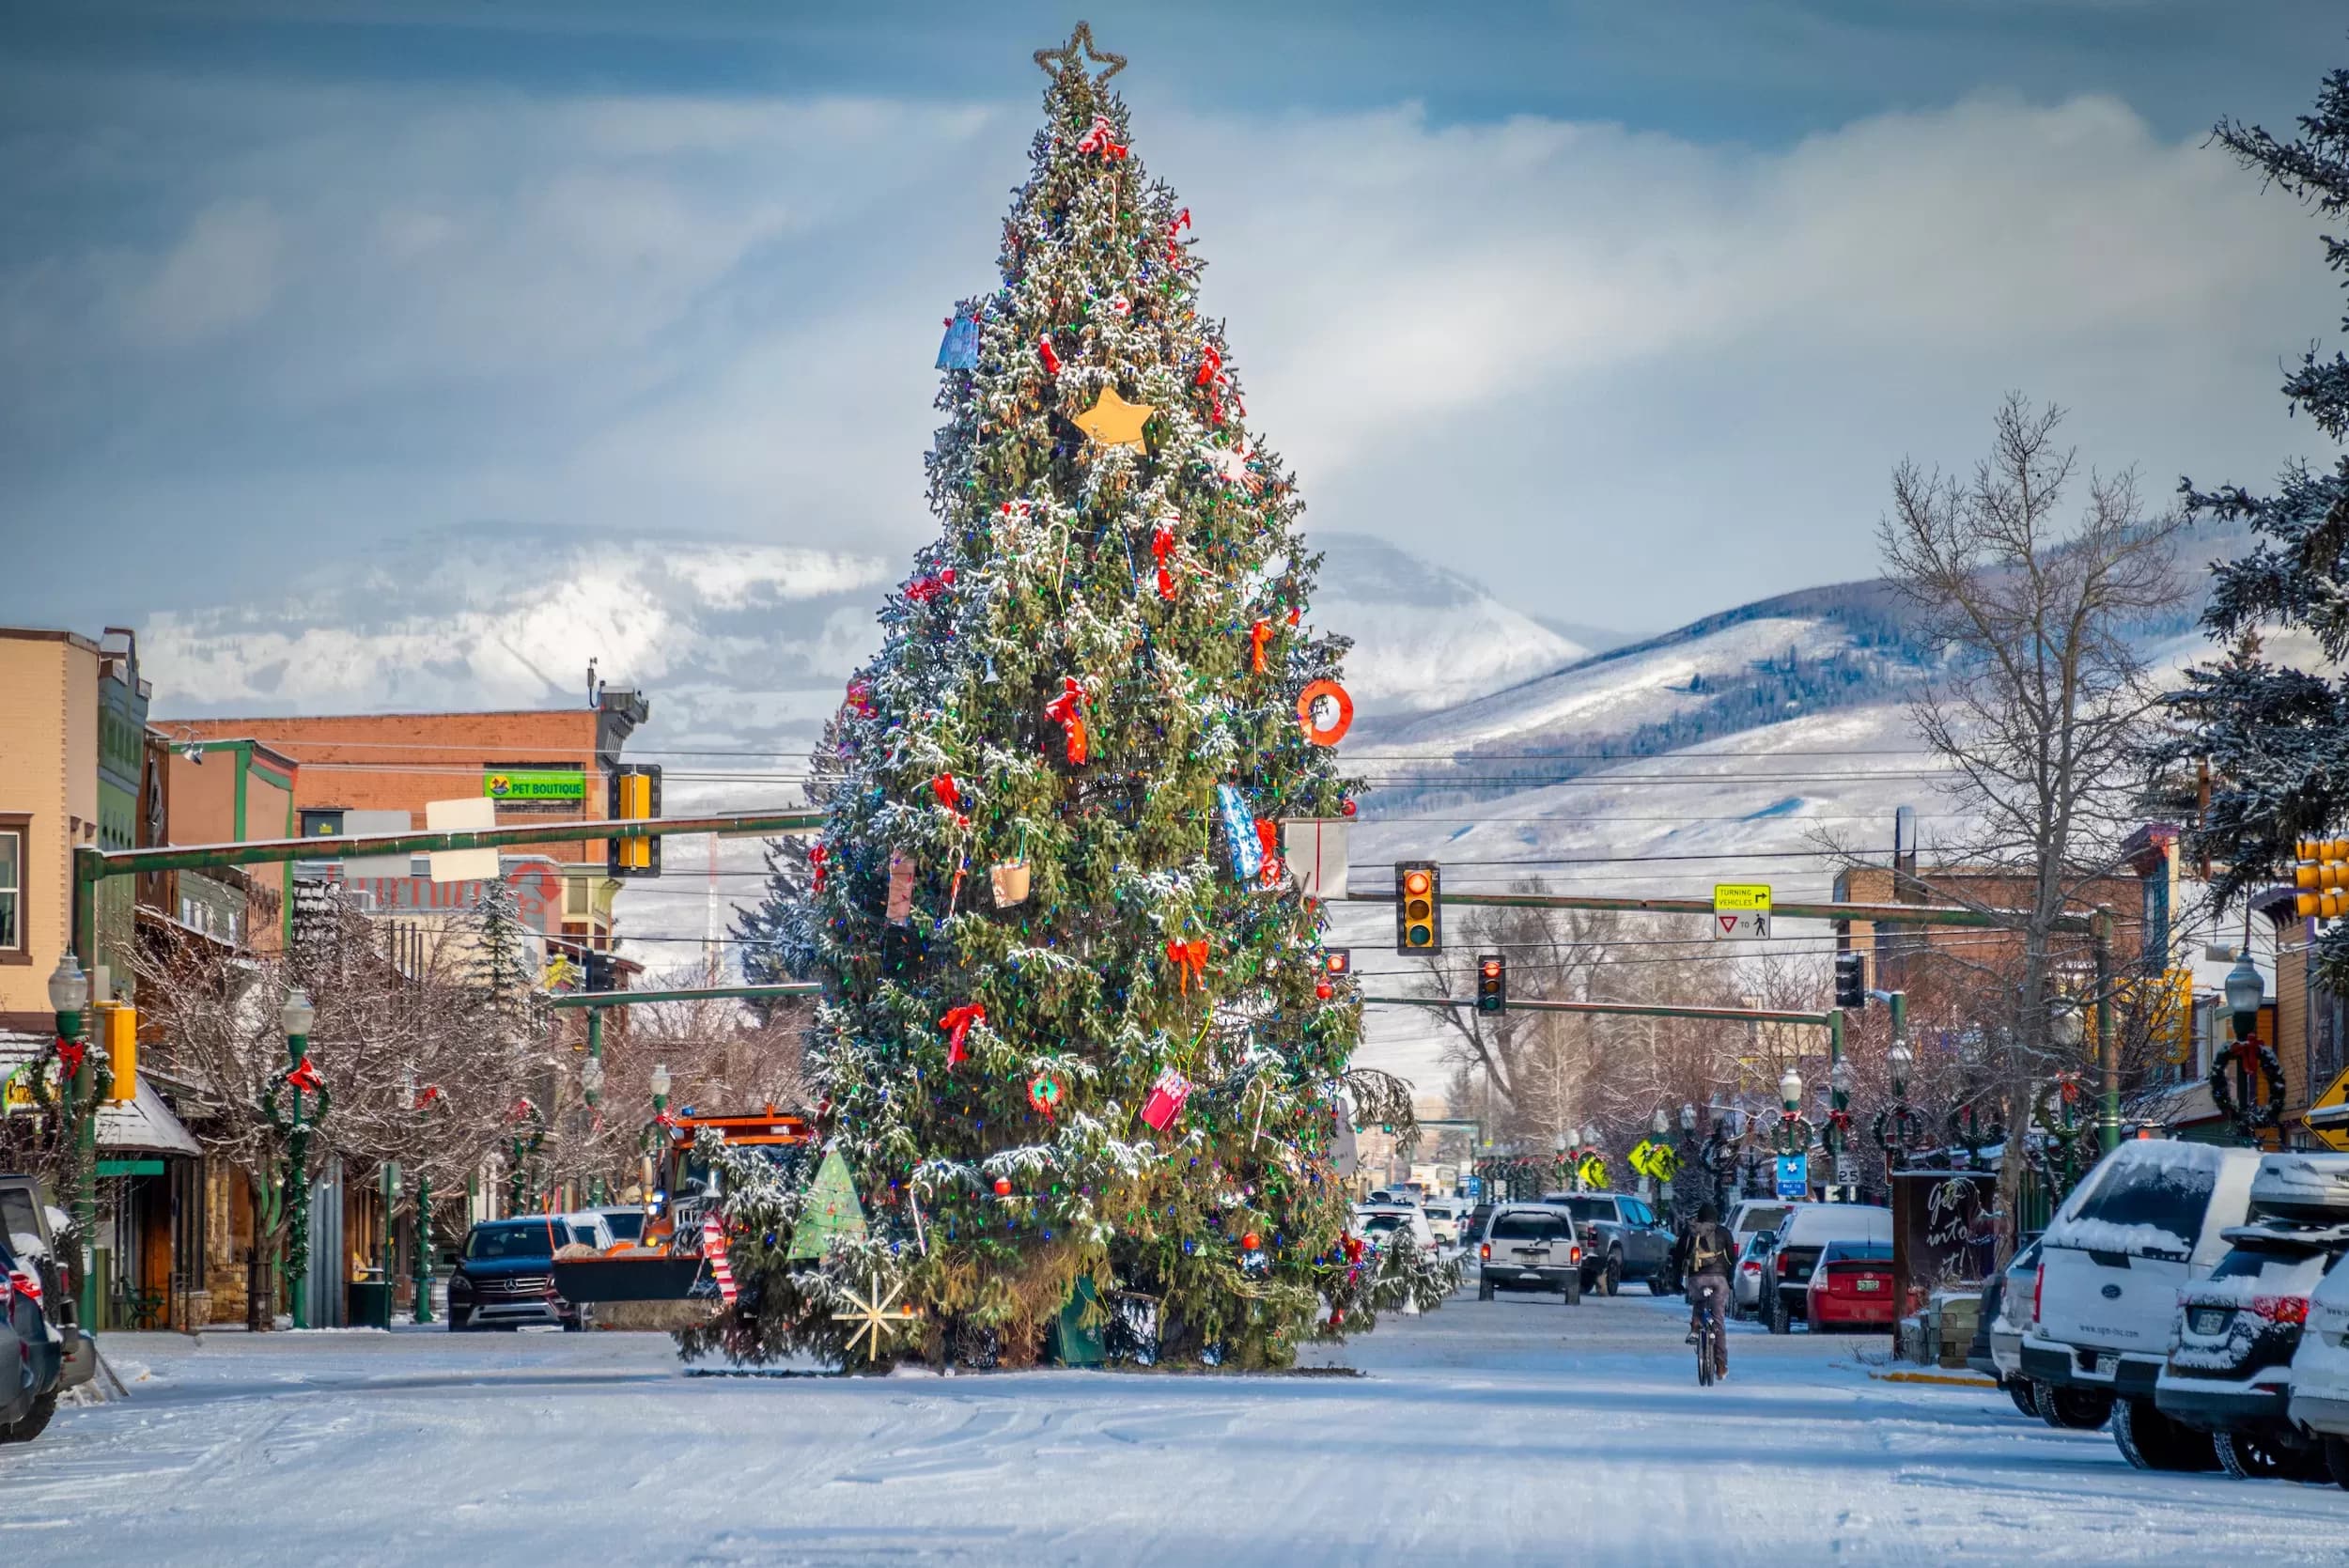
column 48, row 635
column 420, row 713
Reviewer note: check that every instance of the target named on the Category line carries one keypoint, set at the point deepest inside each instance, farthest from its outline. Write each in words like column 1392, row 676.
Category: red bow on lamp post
column 957, row 1023
column 70, row 1054
column 1190, row 958
column 1068, row 711
column 304, row 1075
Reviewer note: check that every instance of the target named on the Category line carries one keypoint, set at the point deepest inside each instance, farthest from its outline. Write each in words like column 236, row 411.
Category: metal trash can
column 370, row 1304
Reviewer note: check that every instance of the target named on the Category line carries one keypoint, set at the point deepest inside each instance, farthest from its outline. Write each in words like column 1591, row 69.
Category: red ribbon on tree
column 1268, row 840
column 1258, row 635
column 305, row 1076
column 924, row 589
column 957, row 1023
column 950, row 795
column 426, row 1094
column 1044, row 350
column 1173, row 246
column 1190, row 958
column 1068, row 711
column 1098, row 140
column 1162, row 546
column 1211, row 377
column 815, row 858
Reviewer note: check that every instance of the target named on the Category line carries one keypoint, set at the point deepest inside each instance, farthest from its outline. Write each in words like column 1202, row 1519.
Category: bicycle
column 1709, row 1316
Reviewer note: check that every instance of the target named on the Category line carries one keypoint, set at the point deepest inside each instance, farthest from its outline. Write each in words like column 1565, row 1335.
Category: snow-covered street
column 1515, row 1431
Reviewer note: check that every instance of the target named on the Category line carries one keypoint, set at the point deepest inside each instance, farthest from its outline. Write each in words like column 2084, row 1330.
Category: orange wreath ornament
column 1317, row 731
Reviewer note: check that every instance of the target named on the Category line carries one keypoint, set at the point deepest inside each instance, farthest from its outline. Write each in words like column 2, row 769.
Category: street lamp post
column 77, row 1119
column 1793, row 1129
column 296, row 1017
column 1659, row 1133
column 591, row 1083
column 2254, row 1066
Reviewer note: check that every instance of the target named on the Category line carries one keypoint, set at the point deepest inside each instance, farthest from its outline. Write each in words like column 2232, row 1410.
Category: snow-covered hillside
column 1423, row 637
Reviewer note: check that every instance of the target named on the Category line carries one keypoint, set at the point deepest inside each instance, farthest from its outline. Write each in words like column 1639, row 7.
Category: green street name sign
column 532, row 784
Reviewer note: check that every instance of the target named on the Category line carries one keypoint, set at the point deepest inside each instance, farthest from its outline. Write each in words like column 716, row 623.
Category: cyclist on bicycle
column 1711, row 1252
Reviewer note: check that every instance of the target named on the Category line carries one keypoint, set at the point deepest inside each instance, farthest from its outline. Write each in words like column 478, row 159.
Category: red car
column 1852, row 1286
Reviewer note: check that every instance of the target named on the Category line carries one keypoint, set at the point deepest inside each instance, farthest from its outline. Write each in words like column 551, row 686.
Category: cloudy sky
column 1626, row 309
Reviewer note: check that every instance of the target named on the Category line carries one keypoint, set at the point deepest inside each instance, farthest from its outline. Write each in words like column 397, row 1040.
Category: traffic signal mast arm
column 1895, row 914
column 1627, row 1009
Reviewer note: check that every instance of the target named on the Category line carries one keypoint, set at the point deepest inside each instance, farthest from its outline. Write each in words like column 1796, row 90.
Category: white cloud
column 1626, row 376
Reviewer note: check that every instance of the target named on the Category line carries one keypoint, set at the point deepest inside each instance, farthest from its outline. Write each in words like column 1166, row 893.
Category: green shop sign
column 535, row 784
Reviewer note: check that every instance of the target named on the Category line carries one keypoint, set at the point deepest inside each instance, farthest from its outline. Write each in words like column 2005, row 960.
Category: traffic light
column 635, row 797
column 1851, row 980
column 1492, row 983
column 2322, row 877
column 1418, row 907
column 599, row 975
column 118, row 1031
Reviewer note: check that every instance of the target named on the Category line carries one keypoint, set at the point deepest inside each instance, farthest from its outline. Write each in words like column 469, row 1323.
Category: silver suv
column 1530, row 1247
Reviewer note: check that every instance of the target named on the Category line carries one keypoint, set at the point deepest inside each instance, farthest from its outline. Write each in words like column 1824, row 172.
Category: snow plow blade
column 653, row 1278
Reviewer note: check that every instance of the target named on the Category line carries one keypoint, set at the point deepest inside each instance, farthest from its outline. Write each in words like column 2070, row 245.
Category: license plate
column 1867, row 1284
column 2210, row 1320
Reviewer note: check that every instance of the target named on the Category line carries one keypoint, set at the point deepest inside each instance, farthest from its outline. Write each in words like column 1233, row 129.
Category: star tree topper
column 1052, row 62
column 1114, row 422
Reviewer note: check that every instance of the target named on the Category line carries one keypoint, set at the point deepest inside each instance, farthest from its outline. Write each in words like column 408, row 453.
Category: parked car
column 2148, row 1219
column 504, row 1276
column 589, row 1228
column 2319, row 1402
column 1473, row 1225
column 1794, row 1252
column 627, row 1222
column 1622, row 1239
column 1444, row 1217
column 1851, row 1286
column 1378, row 1223
column 1744, row 1284
column 29, row 1229
column 1996, row 1352
column 1530, row 1247
column 1750, row 1215
column 28, row 1371
column 2230, row 1368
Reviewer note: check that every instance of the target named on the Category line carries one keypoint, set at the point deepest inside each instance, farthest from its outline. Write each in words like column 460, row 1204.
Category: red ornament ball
column 1321, row 989
column 1002, row 1186
column 1249, row 1241
column 1346, row 809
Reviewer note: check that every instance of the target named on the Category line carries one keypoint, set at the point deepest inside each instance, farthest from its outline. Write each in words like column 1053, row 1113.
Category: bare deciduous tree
column 2041, row 706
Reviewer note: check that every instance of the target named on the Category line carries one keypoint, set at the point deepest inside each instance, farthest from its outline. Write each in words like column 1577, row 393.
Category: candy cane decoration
column 714, row 1248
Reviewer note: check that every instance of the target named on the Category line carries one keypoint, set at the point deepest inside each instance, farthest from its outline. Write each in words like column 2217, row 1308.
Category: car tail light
column 2282, row 1309
column 2038, row 1284
column 1574, row 1254
column 24, row 1284
column 1783, row 1261
column 1753, row 1268
column 1485, row 1251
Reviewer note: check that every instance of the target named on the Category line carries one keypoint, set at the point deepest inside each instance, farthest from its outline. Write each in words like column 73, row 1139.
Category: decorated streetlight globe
column 1688, row 1117
column 660, row 1079
column 69, row 988
column 591, row 1075
column 2246, row 990
column 1790, row 1091
column 1590, row 1134
column 1839, row 1077
column 2064, row 1025
column 1659, row 1123
column 297, row 1015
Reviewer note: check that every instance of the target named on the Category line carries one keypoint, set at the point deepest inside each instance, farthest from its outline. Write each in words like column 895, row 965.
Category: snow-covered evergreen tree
column 1041, row 893
column 2277, row 736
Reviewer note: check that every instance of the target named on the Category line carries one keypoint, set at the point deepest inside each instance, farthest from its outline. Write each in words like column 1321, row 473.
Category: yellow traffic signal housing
column 635, row 797
column 119, row 1034
column 1418, row 907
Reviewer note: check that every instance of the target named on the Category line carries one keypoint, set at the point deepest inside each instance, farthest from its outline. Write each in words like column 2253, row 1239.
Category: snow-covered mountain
column 1423, row 637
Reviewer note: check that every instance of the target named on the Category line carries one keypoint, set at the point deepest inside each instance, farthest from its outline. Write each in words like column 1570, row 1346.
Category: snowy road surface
column 1514, row 1431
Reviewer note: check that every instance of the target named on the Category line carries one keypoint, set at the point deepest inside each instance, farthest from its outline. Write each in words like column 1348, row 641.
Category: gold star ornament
column 874, row 1317
column 1114, row 422
column 1052, row 62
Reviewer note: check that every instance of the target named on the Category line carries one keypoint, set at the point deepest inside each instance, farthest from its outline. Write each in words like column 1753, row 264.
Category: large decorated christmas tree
column 1081, row 1053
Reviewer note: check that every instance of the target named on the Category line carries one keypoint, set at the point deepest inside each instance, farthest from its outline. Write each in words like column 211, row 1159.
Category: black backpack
column 1710, row 1251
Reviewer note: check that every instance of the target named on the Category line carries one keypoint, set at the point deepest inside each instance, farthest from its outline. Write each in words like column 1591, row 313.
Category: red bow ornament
column 1044, row 351
column 305, row 1076
column 1268, row 840
column 1175, row 247
column 1258, row 635
column 950, row 795
column 1068, row 711
column 70, row 1053
column 957, row 1023
column 1162, row 546
column 427, row 1094
column 1211, row 377
column 924, row 589
column 815, row 858
column 1190, row 958
column 1098, row 140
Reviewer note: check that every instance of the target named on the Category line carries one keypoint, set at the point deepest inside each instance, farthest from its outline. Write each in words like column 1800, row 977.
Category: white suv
column 2145, row 1221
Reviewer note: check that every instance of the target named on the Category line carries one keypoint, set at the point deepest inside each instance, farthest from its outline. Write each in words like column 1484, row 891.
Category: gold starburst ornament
column 873, row 1315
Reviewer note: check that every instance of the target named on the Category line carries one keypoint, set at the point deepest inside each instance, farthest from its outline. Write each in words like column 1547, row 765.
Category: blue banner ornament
column 960, row 351
column 1240, row 827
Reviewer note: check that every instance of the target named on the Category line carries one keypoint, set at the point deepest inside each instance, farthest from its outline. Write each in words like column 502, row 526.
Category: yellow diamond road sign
column 1741, row 910
column 2328, row 1116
